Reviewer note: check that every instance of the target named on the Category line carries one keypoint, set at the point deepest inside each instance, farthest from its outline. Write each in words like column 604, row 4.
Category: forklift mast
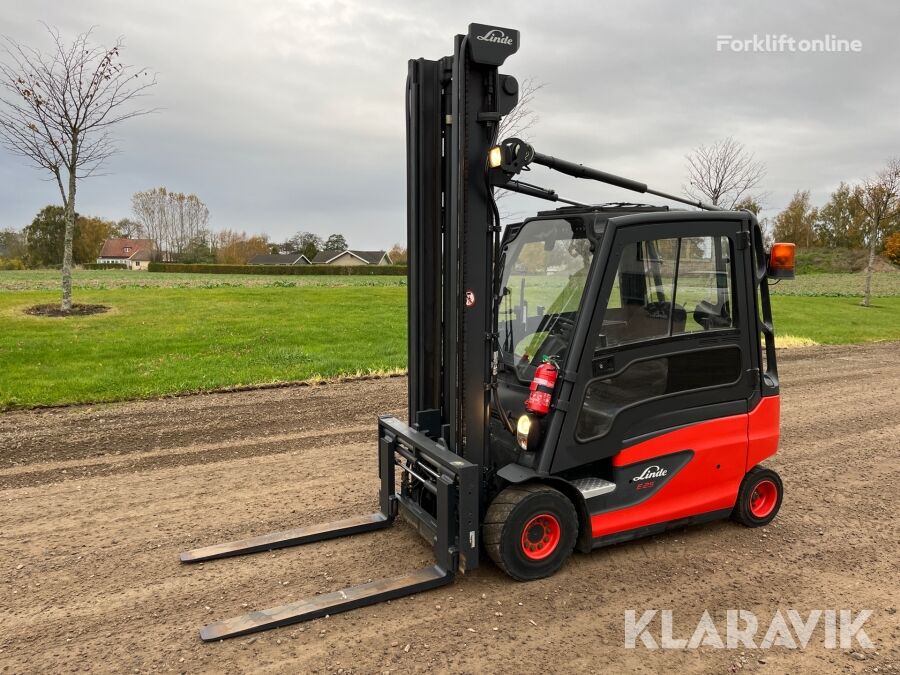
column 454, row 107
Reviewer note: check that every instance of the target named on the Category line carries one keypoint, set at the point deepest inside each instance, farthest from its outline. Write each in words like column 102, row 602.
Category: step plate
column 593, row 487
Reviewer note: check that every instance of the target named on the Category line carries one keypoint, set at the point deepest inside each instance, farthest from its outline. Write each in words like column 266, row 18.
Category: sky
column 288, row 115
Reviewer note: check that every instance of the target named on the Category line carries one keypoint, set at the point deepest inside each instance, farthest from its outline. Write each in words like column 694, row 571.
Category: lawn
column 837, row 320
column 164, row 340
column 170, row 333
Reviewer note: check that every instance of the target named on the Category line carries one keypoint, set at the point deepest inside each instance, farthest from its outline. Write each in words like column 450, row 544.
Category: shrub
column 892, row 248
column 285, row 270
column 104, row 266
column 11, row 264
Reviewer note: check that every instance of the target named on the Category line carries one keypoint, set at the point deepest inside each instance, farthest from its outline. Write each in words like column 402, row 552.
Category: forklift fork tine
column 295, row 537
column 329, row 603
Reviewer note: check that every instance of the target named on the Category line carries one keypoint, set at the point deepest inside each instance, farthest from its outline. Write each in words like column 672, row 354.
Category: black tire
column 759, row 498
column 530, row 530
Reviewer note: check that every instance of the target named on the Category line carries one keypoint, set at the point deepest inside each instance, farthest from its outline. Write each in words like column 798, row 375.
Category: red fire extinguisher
column 541, row 388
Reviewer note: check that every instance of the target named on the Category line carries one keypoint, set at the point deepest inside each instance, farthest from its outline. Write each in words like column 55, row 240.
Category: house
column 140, row 259
column 279, row 259
column 135, row 254
column 351, row 257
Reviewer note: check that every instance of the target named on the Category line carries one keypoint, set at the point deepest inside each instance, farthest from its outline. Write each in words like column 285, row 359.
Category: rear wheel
column 759, row 498
column 530, row 530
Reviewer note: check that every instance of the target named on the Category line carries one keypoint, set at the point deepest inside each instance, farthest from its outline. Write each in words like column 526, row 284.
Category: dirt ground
column 97, row 502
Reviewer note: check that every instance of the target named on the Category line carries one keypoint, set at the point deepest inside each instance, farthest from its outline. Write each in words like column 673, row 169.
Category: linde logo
column 650, row 472
column 495, row 35
column 839, row 629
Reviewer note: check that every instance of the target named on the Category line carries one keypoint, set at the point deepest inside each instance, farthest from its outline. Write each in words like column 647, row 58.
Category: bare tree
column 520, row 120
column 150, row 210
column 723, row 173
column 188, row 218
column 879, row 199
column 59, row 109
column 176, row 222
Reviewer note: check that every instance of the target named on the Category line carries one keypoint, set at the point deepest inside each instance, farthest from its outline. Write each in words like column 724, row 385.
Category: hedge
column 104, row 266
column 11, row 264
column 301, row 270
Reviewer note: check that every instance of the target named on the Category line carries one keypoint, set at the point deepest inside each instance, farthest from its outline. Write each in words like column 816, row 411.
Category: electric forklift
column 593, row 374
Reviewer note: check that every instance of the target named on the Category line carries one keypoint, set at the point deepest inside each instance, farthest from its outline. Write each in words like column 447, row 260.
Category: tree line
column 177, row 224
column 864, row 215
column 844, row 221
column 40, row 244
column 860, row 215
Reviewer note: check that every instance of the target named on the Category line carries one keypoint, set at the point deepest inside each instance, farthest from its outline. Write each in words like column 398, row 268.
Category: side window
column 638, row 307
column 704, row 283
column 668, row 287
column 654, row 378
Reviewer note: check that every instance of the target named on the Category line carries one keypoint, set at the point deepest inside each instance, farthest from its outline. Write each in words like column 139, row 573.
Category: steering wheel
column 561, row 324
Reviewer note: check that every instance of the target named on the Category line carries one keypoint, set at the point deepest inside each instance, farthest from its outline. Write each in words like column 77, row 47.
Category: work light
column 528, row 431
column 495, row 157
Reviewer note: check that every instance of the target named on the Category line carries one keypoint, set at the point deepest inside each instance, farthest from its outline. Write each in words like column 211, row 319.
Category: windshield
column 545, row 268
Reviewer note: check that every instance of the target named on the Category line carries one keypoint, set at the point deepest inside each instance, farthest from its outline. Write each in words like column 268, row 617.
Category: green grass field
column 171, row 333
column 837, row 320
column 165, row 340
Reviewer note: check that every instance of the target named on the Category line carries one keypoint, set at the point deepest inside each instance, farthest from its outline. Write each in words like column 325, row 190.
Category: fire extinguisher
column 541, row 388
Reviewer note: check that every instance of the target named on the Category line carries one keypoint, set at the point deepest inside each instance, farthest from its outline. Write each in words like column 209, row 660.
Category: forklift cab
column 653, row 317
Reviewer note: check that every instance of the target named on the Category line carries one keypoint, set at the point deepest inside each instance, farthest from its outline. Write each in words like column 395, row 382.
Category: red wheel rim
column 763, row 498
column 540, row 537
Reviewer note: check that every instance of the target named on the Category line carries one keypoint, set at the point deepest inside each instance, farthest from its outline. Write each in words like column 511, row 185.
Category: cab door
column 668, row 367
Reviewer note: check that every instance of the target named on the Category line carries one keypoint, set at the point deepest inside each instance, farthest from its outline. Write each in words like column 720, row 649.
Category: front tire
column 530, row 530
column 759, row 498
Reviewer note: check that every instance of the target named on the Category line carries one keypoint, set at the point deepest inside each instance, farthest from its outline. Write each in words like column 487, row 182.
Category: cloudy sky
column 286, row 115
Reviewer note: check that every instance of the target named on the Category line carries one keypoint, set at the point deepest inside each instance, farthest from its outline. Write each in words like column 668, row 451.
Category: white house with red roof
column 135, row 254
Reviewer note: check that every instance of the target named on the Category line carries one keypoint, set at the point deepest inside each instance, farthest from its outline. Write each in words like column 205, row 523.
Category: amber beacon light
column 781, row 261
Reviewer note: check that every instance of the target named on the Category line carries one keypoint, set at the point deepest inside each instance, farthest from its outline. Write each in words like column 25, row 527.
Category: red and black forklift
column 593, row 374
